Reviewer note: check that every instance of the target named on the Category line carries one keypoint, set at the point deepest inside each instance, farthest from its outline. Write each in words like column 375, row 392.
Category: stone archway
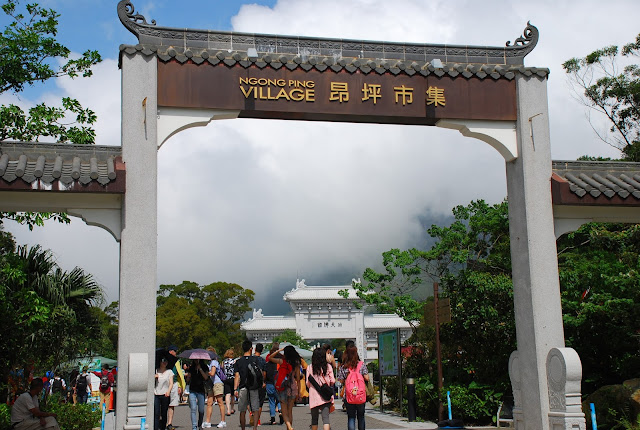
column 174, row 79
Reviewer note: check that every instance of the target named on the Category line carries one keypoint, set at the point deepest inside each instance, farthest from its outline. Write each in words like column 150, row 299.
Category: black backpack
column 81, row 384
column 56, row 386
column 104, row 381
column 254, row 375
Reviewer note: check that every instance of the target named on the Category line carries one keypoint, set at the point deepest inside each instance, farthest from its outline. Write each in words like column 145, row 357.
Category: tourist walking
column 162, row 391
column 198, row 373
column 227, row 365
column 287, row 381
column 106, row 382
column 174, row 398
column 216, row 392
column 82, row 386
column 320, row 381
column 248, row 378
column 271, row 369
column 262, row 390
column 353, row 375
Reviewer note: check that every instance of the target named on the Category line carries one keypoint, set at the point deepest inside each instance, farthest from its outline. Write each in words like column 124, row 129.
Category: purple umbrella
column 198, row 354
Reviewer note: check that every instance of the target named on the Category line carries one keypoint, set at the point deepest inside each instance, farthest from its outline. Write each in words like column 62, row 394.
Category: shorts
column 174, row 398
column 228, row 386
column 218, row 389
column 284, row 397
column 248, row 397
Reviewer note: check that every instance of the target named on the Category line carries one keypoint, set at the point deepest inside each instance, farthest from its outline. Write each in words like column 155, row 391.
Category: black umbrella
column 163, row 353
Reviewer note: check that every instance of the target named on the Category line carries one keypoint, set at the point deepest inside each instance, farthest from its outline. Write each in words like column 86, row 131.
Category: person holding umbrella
column 199, row 373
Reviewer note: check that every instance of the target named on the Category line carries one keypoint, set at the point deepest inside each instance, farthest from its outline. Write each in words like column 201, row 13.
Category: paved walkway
column 302, row 419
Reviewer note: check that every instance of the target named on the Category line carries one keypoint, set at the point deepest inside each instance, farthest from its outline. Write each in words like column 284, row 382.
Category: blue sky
column 313, row 200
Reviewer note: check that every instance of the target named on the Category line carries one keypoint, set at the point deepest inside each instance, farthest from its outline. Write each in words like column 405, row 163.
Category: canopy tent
column 92, row 363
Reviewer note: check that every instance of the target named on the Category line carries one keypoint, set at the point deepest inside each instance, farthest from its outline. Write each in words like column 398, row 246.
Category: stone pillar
column 138, row 245
column 536, row 286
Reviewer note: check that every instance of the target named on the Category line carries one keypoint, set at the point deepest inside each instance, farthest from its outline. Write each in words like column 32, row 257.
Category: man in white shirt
column 26, row 413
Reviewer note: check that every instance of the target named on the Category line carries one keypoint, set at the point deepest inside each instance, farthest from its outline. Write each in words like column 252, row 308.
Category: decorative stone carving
column 300, row 283
column 564, row 373
column 137, row 395
column 257, row 313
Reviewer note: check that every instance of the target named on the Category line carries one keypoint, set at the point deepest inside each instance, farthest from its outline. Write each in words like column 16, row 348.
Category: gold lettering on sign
column 371, row 91
column 406, row 93
column 435, row 96
column 278, row 89
column 339, row 92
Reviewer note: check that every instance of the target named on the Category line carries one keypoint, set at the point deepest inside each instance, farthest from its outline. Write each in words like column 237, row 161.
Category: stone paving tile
column 302, row 420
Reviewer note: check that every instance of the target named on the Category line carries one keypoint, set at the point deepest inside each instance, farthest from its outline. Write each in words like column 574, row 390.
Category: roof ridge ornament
column 529, row 37
column 130, row 19
column 176, row 42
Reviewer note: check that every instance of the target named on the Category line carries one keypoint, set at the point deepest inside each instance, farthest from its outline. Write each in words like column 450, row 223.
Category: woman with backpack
column 354, row 375
column 287, row 381
column 319, row 373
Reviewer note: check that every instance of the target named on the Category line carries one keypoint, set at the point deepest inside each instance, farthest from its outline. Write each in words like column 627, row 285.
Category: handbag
column 370, row 391
column 208, row 384
column 325, row 391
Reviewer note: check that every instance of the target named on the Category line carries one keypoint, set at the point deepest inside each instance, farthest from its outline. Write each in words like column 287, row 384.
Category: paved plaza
column 301, row 420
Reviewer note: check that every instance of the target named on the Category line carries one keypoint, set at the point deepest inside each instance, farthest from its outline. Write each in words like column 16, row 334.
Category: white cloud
column 257, row 202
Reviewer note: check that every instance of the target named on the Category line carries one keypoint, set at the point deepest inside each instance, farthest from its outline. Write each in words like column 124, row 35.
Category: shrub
column 74, row 417
column 5, row 416
column 475, row 403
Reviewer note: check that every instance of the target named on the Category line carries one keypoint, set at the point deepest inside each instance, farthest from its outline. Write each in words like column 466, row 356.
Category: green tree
column 471, row 260
column 613, row 91
column 107, row 344
column 193, row 316
column 293, row 338
column 29, row 54
column 599, row 278
column 46, row 315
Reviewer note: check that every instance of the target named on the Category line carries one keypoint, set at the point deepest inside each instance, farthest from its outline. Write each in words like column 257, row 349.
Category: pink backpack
column 354, row 386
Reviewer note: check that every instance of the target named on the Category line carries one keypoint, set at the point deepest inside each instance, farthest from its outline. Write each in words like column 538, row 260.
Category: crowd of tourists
column 243, row 385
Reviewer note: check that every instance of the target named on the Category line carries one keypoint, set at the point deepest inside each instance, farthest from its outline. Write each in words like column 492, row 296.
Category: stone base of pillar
column 137, row 394
column 567, row 422
column 564, row 375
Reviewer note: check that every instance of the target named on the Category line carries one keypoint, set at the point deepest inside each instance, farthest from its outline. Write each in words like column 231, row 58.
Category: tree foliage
column 293, row 338
column 613, row 92
column 46, row 313
column 471, row 260
column 30, row 54
column 599, row 278
column 194, row 316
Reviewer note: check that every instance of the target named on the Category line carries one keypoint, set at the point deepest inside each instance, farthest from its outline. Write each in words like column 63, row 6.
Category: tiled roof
column 46, row 166
column 319, row 293
column 293, row 52
column 596, row 183
column 384, row 321
column 270, row 323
